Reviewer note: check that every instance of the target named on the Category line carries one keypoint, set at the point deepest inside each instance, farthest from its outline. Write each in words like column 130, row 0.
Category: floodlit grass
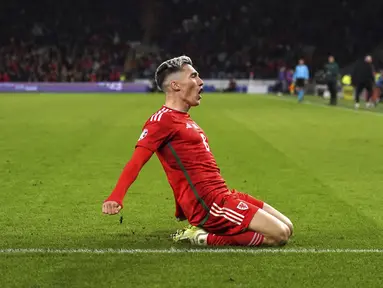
column 61, row 155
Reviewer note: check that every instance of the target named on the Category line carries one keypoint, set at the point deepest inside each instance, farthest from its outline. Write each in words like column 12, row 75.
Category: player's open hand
column 111, row 207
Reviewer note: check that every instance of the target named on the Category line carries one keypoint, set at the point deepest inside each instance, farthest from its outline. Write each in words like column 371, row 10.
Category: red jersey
column 183, row 150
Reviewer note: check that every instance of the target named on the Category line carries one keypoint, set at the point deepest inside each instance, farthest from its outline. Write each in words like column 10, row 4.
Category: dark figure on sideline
column 363, row 78
column 332, row 74
column 232, row 87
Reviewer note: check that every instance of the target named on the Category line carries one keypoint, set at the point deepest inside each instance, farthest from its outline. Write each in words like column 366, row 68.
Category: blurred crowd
column 121, row 40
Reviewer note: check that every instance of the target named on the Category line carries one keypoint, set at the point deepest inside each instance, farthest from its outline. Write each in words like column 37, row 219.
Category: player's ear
column 175, row 86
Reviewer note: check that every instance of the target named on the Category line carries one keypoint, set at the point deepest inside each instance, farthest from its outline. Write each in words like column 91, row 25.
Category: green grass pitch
column 61, row 155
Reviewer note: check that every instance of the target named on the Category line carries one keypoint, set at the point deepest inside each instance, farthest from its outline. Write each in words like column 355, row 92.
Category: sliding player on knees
column 217, row 215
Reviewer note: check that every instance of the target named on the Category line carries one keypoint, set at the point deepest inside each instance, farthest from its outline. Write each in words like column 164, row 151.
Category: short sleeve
column 155, row 134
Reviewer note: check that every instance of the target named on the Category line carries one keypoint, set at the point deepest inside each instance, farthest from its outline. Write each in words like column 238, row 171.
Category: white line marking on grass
column 179, row 250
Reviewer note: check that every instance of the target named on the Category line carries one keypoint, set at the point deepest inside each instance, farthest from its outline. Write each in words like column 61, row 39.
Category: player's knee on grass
column 269, row 209
column 291, row 226
column 282, row 236
column 275, row 231
column 279, row 239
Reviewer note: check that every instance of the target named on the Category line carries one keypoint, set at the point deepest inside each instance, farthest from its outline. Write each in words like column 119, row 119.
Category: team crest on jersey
column 143, row 134
column 191, row 125
column 242, row 206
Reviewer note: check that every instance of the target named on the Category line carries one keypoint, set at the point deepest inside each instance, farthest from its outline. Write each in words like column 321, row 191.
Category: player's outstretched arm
column 113, row 203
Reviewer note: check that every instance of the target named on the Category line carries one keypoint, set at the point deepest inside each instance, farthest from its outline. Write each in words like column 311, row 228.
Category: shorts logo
column 143, row 134
column 242, row 206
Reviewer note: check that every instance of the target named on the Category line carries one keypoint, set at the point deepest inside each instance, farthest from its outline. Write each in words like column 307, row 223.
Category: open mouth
column 200, row 92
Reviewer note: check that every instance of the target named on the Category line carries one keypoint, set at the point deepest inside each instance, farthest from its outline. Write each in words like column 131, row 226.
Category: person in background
column 152, row 88
column 363, row 78
column 300, row 78
column 282, row 81
column 332, row 75
column 290, row 80
column 232, row 87
column 379, row 86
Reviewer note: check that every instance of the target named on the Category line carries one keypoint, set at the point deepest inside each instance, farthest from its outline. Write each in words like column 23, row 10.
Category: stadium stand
column 77, row 41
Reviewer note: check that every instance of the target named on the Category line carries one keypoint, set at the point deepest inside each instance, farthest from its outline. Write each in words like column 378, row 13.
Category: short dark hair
column 168, row 67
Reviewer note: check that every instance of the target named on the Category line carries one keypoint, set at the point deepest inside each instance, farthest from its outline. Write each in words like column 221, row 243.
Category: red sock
column 248, row 238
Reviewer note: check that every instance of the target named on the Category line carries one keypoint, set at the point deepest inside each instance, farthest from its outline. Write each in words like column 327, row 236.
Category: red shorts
column 231, row 214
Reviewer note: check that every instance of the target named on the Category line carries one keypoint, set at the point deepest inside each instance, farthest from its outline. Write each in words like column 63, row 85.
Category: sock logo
column 242, row 206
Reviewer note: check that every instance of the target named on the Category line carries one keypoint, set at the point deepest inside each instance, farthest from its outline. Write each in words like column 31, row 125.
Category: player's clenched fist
column 111, row 207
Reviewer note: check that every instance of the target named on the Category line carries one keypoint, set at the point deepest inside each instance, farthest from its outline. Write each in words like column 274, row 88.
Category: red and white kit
column 200, row 192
